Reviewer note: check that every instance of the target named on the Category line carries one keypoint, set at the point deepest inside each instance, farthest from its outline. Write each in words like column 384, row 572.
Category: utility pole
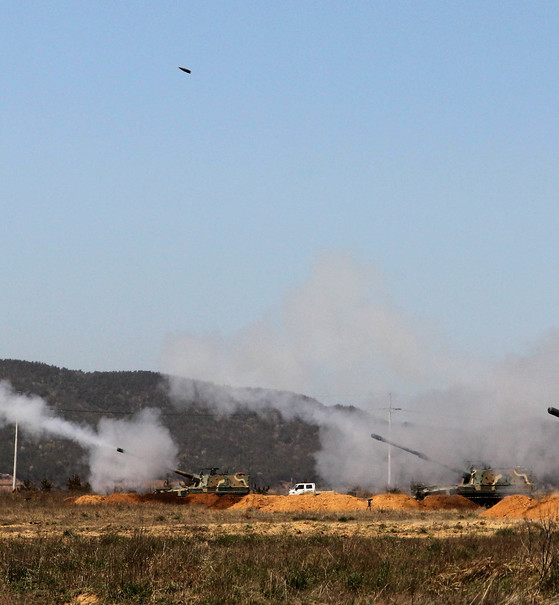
column 390, row 410
column 15, row 461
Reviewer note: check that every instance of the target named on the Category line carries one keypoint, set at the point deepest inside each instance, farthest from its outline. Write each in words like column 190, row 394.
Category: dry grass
column 56, row 552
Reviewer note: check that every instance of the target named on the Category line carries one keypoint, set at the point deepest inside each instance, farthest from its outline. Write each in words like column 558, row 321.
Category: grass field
column 52, row 551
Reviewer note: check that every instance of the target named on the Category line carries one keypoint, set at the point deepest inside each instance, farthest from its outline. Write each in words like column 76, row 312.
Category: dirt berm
column 524, row 507
column 331, row 501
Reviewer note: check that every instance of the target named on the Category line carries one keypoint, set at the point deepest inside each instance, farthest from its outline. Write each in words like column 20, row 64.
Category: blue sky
column 139, row 203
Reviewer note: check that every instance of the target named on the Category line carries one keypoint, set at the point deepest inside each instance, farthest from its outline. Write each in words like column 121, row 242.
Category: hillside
column 269, row 448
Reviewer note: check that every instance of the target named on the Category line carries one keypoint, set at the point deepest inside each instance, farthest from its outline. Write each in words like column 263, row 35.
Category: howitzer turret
column 193, row 478
column 185, row 474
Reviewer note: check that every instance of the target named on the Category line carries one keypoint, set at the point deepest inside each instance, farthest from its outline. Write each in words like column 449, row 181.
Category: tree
column 74, row 483
column 27, row 486
column 46, row 485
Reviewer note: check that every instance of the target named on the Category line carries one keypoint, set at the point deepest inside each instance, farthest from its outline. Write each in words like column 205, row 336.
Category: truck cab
column 302, row 488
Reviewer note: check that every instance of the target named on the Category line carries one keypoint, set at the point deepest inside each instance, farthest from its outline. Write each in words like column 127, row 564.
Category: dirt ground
column 211, row 515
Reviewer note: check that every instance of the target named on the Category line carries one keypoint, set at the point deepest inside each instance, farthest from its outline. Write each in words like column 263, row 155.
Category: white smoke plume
column 340, row 337
column 149, row 451
column 148, row 446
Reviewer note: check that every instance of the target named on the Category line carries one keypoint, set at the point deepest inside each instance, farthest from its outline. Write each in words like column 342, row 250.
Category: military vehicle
column 480, row 483
column 483, row 485
column 209, row 481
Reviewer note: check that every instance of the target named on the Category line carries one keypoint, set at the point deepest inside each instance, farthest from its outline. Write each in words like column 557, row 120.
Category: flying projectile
column 120, row 450
column 187, row 71
column 553, row 411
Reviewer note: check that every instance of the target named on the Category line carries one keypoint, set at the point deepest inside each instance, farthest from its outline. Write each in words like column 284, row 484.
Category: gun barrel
column 190, row 476
column 401, row 447
column 414, row 452
column 553, row 411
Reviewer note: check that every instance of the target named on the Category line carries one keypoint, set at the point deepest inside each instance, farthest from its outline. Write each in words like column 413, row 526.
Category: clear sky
column 419, row 139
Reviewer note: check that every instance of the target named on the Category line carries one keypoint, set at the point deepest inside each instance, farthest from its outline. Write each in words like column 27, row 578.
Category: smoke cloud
column 341, row 338
column 337, row 336
column 148, row 446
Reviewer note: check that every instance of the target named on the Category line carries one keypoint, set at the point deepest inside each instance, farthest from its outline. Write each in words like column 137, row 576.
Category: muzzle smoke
column 143, row 433
column 339, row 337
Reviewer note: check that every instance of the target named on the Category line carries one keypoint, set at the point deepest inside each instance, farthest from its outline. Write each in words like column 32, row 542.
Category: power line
column 131, row 413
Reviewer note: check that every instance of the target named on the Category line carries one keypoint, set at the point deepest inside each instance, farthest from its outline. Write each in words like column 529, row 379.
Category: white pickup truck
column 303, row 488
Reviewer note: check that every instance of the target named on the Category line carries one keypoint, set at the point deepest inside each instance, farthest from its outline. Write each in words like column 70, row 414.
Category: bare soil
column 524, row 507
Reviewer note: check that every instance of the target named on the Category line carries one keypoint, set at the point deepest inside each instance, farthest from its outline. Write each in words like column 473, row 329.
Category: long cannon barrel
column 553, row 411
column 190, row 476
column 414, row 452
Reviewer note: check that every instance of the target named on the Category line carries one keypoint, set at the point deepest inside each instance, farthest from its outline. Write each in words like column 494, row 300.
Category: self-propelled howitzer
column 480, row 483
column 209, row 481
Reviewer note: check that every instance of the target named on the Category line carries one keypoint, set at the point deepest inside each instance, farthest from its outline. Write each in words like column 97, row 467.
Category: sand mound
column 223, row 502
column 510, row 507
column 524, row 507
column 207, row 500
column 308, row 502
column 163, row 498
column 112, row 499
column 260, row 502
column 394, row 502
column 123, row 499
column 444, row 502
column 548, row 508
column 89, row 499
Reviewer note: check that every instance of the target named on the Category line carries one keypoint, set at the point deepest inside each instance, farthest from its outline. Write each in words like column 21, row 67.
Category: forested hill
column 269, row 448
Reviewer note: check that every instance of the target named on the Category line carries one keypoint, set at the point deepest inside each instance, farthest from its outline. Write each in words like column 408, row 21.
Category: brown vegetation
column 127, row 548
